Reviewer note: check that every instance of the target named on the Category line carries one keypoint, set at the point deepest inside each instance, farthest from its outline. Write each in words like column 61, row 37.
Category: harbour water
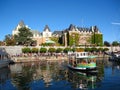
column 56, row 76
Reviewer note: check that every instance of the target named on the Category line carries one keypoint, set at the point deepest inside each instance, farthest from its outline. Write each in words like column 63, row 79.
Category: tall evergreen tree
column 24, row 36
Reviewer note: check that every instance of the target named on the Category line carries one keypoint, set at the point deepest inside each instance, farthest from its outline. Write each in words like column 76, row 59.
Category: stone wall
column 15, row 50
column 12, row 50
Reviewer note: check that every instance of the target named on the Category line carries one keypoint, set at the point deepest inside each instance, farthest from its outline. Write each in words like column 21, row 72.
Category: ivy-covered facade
column 77, row 36
column 71, row 36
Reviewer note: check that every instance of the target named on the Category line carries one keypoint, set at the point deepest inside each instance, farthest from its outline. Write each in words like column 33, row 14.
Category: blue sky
column 59, row 14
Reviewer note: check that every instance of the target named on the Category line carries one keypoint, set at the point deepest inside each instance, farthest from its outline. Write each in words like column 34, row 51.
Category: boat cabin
column 81, row 54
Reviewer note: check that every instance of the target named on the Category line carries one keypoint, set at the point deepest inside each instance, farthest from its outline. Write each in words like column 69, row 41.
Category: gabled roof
column 71, row 27
column 35, row 32
column 83, row 29
column 95, row 29
column 46, row 27
column 57, row 32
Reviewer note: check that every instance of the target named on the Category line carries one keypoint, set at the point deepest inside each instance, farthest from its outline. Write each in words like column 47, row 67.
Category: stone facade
column 83, row 33
column 37, row 36
column 42, row 37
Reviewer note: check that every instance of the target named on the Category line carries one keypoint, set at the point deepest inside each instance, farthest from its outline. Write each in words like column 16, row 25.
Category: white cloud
column 115, row 23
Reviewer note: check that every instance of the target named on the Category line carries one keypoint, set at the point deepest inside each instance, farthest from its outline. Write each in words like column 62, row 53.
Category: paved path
column 41, row 58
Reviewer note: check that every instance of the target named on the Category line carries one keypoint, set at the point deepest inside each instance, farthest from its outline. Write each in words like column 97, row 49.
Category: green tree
column 34, row 50
column 43, row 50
column 105, row 49
column 88, row 49
column 10, row 41
column 115, row 43
column 51, row 50
column 26, row 50
column 99, row 49
column 106, row 43
column 67, row 49
column 58, row 50
column 79, row 49
column 73, row 49
column 24, row 36
column 93, row 49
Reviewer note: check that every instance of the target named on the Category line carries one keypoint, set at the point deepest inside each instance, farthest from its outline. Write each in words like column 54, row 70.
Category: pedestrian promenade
column 19, row 59
column 53, row 58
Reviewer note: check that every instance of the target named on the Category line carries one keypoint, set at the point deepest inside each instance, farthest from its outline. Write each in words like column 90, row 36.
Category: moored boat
column 82, row 61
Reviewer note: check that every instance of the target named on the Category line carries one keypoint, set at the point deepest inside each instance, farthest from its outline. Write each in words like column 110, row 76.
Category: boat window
column 84, row 54
column 77, row 55
column 83, row 61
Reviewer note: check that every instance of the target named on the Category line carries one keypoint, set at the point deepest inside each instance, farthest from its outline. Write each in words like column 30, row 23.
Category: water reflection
column 22, row 76
column 82, row 80
column 4, row 75
column 25, row 75
column 53, row 75
column 115, row 67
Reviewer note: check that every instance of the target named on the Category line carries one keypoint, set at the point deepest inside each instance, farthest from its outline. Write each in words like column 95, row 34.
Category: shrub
column 58, row 50
column 66, row 50
column 79, row 49
column 93, row 49
column 99, row 49
column 34, row 50
column 43, row 50
column 26, row 50
column 105, row 49
column 51, row 50
column 88, row 49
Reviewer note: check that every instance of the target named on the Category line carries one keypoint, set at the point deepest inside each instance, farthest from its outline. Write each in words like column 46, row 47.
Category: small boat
column 4, row 58
column 82, row 61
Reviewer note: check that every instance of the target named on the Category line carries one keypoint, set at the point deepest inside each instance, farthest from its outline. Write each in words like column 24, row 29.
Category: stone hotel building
column 70, row 36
